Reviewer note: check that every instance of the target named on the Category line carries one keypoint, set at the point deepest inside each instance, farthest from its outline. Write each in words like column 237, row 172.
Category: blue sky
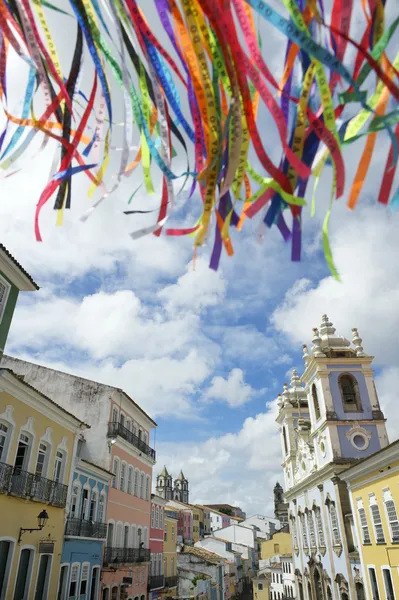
column 204, row 353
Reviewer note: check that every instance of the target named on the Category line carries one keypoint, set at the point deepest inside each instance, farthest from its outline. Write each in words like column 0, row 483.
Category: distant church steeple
column 165, row 489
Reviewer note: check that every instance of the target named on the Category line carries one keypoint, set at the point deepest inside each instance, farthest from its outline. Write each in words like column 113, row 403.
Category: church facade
column 178, row 490
column 329, row 418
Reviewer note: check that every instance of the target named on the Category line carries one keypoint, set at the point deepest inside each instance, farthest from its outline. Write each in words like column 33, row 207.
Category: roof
column 164, row 472
column 202, row 553
column 181, row 476
column 16, row 264
column 89, row 380
column 21, row 380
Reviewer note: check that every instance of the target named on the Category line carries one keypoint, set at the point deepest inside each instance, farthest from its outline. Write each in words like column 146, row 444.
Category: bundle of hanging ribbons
column 205, row 93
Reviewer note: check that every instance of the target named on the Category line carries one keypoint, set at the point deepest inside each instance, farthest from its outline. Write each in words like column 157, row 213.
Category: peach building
column 119, row 441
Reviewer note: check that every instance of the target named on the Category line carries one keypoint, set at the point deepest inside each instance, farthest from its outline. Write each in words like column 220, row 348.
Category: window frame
column 4, row 300
column 78, row 565
column 316, row 403
column 47, row 582
column 62, row 462
column 130, row 480
column 369, row 569
column 374, row 504
column 122, row 479
column 387, row 497
column 115, row 480
column 364, row 528
column 387, row 568
column 8, row 438
column 29, row 578
column 10, row 560
column 350, row 407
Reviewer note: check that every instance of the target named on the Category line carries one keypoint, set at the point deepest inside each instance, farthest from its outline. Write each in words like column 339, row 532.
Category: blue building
column 85, row 533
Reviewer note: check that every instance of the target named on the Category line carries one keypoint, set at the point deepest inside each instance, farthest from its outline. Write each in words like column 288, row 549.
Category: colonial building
column 280, row 507
column 179, row 491
column 118, row 441
column 85, row 531
column 328, row 419
column 374, row 493
column 156, row 581
column 171, row 518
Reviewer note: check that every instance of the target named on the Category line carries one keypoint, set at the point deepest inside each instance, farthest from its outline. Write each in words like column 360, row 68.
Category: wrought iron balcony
column 83, row 528
column 171, row 581
column 117, row 556
column 27, row 485
column 115, row 428
column 156, row 582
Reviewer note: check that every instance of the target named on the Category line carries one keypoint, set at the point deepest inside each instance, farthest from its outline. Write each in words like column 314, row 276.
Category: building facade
column 218, row 520
column 85, row 532
column 234, row 511
column 118, row 441
column 171, row 518
column 204, row 564
column 328, row 419
column 374, row 494
column 38, row 440
column 156, row 580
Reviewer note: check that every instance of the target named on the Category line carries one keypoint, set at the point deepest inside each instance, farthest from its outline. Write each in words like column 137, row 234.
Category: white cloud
column 233, row 390
column 365, row 247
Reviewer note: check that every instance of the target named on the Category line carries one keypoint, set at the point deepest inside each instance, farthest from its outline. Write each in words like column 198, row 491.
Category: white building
column 289, row 584
column 328, row 418
column 266, row 525
column 225, row 550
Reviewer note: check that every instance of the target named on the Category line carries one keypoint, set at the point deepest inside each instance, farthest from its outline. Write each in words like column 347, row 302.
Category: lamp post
column 42, row 519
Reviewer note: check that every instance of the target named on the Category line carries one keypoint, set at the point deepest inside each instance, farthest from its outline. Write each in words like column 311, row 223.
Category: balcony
column 115, row 429
column 127, row 556
column 156, row 582
column 171, row 581
column 27, row 485
column 83, row 528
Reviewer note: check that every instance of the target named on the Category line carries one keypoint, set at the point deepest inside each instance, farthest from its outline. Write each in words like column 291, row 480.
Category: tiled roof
column 202, row 553
column 16, row 263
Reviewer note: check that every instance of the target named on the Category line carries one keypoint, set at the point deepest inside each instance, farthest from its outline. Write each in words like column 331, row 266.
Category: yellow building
column 280, row 543
column 374, row 490
column 38, row 441
column 170, row 552
column 261, row 586
column 198, row 522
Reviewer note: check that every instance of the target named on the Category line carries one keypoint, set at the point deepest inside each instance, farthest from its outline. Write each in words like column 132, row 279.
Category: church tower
column 346, row 419
column 164, row 485
column 180, row 491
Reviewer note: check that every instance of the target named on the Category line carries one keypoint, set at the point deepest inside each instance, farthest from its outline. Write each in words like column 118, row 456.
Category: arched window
column 123, row 476
column 115, row 415
column 101, row 508
column 75, row 500
column 392, row 516
column 142, row 485
column 316, row 404
column 334, row 525
column 42, row 460
column 116, row 472
column 136, row 482
column 130, row 480
column 147, row 487
column 349, row 393
column 285, row 441
column 319, row 524
column 5, row 436
column 119, row 536
column 153, row 515
column 311, row 528
column 318, row 585
column 59, row 466
column 133, row 540
column 157, row 517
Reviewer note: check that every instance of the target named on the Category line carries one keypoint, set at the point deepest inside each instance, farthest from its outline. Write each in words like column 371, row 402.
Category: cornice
column 376, row 461
column 132, row 450
column 326, row 473
column 314, row 364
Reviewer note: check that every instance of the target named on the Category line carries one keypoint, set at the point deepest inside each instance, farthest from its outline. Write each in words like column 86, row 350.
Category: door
column 85, row 500
column 43, row 577
column 94, row 583
column 5, row 560
column 58, row 467
column 23, row 575
column 22, row 457
column 62, row 583
column 110, row 534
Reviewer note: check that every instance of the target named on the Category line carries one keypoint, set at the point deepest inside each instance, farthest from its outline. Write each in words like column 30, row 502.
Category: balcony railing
column 27, row 485
column 114, row 556
column 171, row 581
column 83, row 528
column 155, row 582
column 115, row 428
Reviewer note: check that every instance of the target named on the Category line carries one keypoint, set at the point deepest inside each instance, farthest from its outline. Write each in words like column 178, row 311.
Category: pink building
column 156, row 581
column 185, row 525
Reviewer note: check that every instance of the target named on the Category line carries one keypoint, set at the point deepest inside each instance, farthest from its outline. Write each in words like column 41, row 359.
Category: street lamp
column 42, row 519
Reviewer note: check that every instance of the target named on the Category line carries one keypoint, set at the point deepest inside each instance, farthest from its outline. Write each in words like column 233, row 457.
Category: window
column 363, row 523
column 161, row 518
column 41, row 461
column 63, row 582
column 349, row 393
column 153, row 515
column 114, row 592
column 84, row 579
column 142, row 485
column 73, row 511
column 110, row 534
column 260, row 586
column 4, row 439
column 294, row 533
column 312, row 532
column 276, row 548
column 137, row 576
column 304, row 532
column 6, row 549
column 374, row 585
column 24, row 574
column 85, row 503
column 73, row 586
column 126, row 537
column 4, row 291
column 130, row 480
column 316, row 404
column 136, row 482
column 319, row 525
column 128, row 424
column 334, row 525
column 123, row 477
column 95, row 580
column 147, row 488
column 143, row 575
column 392, row 516
column 285, row 441
column 115, row 415
column 172, row 564
column 173, row 534
column 43, row 577
column 101, row 508
column 23, row 451
column 133, row 536
column 157, row 524
column 376, row 516
column 93, row 506
column 122, row 420
column 390, row 594
column 116, row 473
column 58, row 475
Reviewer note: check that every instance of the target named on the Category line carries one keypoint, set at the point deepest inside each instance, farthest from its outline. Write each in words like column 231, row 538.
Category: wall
column 265, row 524
column 5, row 322
column 281, row 543
column 261, row 594
column 238, row 534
